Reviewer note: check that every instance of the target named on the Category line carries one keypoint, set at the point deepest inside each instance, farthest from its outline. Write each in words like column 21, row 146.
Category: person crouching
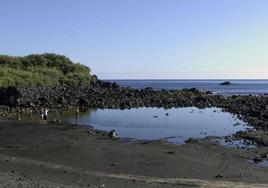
column 112, row 134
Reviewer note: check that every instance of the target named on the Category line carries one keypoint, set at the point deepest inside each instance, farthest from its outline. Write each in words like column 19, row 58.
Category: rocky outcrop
column 9, row 96
column 107, row 96
column 225, row 83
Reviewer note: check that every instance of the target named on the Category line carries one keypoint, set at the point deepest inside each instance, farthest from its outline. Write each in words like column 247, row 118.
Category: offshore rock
column 225, row 83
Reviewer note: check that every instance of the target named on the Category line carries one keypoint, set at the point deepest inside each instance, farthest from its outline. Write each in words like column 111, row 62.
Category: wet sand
column 68, row 156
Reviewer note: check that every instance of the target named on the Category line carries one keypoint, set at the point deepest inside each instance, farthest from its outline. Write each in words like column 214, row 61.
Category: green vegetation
column 42, row 70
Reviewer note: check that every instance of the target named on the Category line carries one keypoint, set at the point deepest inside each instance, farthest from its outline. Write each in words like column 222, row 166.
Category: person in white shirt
column 41, row 120
column 45, row 115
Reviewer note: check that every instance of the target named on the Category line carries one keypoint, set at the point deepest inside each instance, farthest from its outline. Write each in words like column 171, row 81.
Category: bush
column 41, row 70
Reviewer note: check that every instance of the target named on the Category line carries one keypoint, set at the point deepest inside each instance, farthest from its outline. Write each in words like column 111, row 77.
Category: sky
column 143, row 39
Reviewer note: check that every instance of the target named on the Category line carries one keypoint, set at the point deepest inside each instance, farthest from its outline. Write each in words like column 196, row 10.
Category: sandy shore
column 68, row 156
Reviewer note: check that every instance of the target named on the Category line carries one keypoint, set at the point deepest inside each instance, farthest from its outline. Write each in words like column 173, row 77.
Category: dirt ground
column 68, row 156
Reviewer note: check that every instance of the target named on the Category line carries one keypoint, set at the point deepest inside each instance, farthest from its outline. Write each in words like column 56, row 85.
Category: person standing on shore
column 45, row 115
column 77, row 114
column 41, row 120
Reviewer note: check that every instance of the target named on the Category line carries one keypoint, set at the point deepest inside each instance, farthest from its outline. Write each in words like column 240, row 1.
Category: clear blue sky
column 138, row 39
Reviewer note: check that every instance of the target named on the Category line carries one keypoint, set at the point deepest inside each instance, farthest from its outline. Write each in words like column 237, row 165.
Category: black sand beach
column 58, row 155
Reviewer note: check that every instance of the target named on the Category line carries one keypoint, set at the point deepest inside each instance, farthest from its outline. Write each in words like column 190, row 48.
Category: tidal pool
column 175, row 125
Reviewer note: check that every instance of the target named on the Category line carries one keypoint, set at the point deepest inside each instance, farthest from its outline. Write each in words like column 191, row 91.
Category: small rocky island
column 226, row 83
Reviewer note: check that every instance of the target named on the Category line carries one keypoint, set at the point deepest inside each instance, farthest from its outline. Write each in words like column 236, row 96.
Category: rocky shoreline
column 14, row 101
column 17, row 101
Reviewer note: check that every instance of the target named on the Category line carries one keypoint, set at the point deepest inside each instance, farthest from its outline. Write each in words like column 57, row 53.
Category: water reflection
column 175, row 125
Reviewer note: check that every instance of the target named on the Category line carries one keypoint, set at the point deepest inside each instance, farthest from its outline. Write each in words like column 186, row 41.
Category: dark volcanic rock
column 9, row 96
column 191, row 141
column 225, row 83
column 252, row 109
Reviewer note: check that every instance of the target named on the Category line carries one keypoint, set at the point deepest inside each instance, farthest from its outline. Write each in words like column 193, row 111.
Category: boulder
column 83, row 101
column 62, row 100
column 9, row 96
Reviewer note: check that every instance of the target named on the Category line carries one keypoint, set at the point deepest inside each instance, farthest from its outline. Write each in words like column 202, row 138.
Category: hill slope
column 42, row 70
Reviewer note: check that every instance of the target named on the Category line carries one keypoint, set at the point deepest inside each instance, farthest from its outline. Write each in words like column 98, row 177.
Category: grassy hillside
column 40, row 70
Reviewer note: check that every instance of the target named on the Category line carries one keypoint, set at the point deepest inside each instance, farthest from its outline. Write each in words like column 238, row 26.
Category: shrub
column 42, row 69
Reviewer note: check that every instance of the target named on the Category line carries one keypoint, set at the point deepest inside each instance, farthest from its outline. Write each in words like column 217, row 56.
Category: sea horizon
column 237, row 86
column 190, row 79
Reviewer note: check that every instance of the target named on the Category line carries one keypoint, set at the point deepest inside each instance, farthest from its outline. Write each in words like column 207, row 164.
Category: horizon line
column 224, row 79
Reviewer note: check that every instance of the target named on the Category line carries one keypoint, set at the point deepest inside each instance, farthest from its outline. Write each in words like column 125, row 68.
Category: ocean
column 238, row 87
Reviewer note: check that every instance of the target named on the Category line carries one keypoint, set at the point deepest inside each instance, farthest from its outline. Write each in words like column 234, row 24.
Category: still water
column 175, row 125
